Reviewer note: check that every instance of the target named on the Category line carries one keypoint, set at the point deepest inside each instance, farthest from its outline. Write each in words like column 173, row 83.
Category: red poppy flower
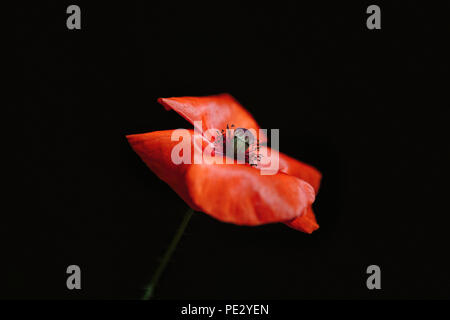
column 234, row 193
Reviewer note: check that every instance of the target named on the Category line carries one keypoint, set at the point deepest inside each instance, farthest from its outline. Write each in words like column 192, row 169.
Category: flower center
column 239, row 144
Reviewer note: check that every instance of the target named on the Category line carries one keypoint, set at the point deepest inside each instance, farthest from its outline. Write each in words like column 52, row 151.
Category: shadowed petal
column 306, row 222
column 300, row 170
column 155, row 150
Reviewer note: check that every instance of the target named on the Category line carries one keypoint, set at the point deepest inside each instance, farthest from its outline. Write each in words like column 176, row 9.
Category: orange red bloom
column 234, row 193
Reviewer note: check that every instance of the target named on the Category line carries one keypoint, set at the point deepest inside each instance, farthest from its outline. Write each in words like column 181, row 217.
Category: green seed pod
column 242, row 140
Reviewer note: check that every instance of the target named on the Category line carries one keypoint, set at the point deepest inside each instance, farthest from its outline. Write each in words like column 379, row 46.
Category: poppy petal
column 155, row 149
column 229, row 192
column 306, row 222
column 288, row 165
column 240, row 194
column 300, row 170
column 215, row 112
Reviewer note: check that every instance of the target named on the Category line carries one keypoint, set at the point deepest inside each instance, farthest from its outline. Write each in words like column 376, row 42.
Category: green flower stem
column 149, row 291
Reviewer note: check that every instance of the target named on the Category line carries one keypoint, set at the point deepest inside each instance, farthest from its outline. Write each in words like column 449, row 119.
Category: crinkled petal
column 305, row 222
column 288, row 165
column 215, row 112
column 240, row 194
column 300, row 170
column 229, row 192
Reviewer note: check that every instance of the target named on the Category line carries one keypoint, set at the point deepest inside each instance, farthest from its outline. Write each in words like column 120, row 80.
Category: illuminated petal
column 229, row 192
column 307, row 221
column 215, row 112
column 241, row 195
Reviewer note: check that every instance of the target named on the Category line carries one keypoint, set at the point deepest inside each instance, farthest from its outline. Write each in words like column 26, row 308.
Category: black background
column 369, row 108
